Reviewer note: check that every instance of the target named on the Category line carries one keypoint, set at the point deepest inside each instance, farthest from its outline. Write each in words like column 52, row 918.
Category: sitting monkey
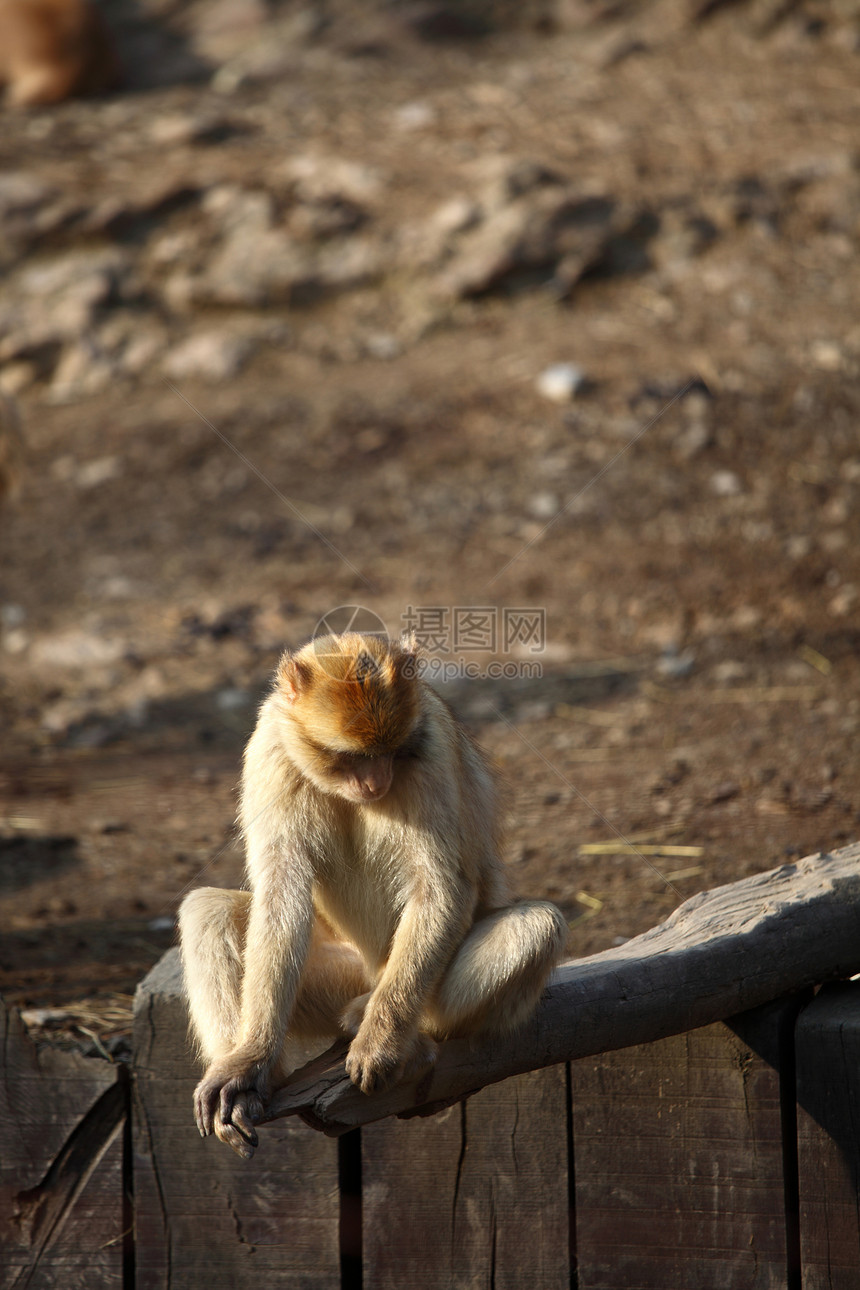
column 378, row 906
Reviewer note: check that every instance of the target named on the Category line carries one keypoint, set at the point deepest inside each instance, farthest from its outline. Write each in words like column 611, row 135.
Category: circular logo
column 347, row 618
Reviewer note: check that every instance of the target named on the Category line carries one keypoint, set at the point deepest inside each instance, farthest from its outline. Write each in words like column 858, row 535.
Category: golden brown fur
column 53, row 49
column 378, row 906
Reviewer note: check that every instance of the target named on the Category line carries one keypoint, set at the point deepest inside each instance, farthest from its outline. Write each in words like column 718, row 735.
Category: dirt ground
column 687, row 519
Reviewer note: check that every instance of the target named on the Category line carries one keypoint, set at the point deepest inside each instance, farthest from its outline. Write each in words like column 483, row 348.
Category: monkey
column 377, row 905
column 53, row 49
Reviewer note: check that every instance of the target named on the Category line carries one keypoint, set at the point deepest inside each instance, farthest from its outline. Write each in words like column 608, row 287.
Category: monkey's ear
column 407, row 660
column 409, row 644
column 294, row 677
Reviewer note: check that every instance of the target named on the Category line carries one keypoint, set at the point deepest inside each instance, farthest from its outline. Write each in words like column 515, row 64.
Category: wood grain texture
column 61, row 1182
column 828, row 1095
column 679, row 1161
column 474, row 1197
column 206, row 1220
column 722, row 952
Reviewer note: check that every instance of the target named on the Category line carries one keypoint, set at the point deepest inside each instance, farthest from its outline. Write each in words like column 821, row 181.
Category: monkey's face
column 352, row 706
column 361, row 779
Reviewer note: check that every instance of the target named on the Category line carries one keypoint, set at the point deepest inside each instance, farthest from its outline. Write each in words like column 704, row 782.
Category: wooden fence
column 725, row 1157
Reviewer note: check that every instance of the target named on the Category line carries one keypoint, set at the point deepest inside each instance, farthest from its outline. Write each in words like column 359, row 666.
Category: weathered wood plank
column 61, row 1156
column 205, row 1218
column 679, row 1161
column 408, row 1175
column 720, row 953
column 475, row 1197
column 828, row 1130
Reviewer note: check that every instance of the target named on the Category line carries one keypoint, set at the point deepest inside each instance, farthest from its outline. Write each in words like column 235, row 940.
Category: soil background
column 276, row 316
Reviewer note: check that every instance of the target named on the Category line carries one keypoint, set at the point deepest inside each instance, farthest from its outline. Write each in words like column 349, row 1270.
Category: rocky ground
column 419, row 309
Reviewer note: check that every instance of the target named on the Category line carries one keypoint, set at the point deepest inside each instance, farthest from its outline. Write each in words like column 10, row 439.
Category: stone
column 543, row 506
column 16, row 641
column 87, row 278
column 213, row 355
column 15, row 377
column 233, row 700
column 253, row 272
column 560, row 382
column 164, row 923
column 320, row 220
column 239, row 209
column 58, row 301
column 83, row 369
column 517, row 178
column 417, row 115
column 455, row 215
column 349, row 263
column 729, row 672
column 382, row 345
column 12, row 616
column 798, row 546
column 551, row 232
column 29, row 208
column 845, row 600
column 318, row 177
column 76, row 648
column 693, row 440
column 725, row 483
column 92, row 474
column 827, row 356
column 225, row 23
column 675, row 665
column 21, row 194
column 187, row 129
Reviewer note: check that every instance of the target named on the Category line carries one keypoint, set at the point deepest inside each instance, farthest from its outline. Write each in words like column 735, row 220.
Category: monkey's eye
column 411, row 747
column 345, row 762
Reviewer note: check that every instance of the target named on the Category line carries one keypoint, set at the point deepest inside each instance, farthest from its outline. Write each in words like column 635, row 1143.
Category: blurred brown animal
column 54, row 49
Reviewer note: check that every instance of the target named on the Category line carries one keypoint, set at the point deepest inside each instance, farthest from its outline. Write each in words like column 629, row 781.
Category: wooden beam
column 720, row 953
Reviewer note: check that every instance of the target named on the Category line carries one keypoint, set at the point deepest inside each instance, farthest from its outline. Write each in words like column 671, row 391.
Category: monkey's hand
column 229, row 1101
column 377, row 1058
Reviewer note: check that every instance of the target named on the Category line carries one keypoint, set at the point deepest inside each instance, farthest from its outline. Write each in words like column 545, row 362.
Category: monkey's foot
column 353, row 1015
column 422, row 1060
column 239, row 1132
column 229, row 1105
column 373, row 1065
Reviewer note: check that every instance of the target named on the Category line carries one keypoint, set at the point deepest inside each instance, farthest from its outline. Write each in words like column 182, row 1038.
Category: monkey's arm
column 276, row 947
column 434, row 920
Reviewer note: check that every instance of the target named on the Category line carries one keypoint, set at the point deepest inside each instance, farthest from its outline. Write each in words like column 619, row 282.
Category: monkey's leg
column 212, row 925
column 498, row 974
column 212, row 928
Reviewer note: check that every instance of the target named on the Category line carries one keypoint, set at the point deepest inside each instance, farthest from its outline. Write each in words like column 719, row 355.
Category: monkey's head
column 352, row 705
